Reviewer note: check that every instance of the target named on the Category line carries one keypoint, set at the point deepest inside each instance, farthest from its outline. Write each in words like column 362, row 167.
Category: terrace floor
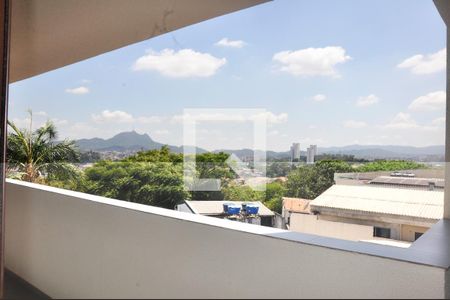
column 17, row 288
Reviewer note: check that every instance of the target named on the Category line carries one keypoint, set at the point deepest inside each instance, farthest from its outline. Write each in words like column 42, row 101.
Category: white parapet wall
column 73, row 245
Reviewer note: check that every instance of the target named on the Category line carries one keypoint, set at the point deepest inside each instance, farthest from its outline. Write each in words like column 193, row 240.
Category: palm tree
column 36, row 156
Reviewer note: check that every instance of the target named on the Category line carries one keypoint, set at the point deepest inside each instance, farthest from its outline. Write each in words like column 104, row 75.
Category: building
column 294, row 206
column 266, row 217
column 295, row 152
column 311, row 152
column 410, row 183
column 357, row 212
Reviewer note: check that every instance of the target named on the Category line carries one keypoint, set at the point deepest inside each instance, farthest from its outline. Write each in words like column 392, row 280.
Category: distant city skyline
column 358, row 78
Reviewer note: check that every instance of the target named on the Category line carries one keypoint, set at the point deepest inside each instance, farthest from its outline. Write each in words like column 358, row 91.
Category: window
column 417, row 235
column 382, row 232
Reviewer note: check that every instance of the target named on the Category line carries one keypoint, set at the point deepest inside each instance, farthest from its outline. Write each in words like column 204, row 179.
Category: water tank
column 250, row 208
column 233, row 209
column 225, row 207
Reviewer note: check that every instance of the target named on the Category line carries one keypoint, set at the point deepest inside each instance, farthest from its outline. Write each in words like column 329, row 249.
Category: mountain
column 386, row 151
column 133, row 141
column 120, row 142
column 243, row 153
column 126, row 141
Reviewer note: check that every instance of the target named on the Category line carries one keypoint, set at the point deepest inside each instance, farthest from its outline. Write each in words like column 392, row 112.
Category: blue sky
column 330, row 73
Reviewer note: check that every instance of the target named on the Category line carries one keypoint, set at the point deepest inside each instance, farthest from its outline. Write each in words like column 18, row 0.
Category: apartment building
column 295, row 152
column 311, row 153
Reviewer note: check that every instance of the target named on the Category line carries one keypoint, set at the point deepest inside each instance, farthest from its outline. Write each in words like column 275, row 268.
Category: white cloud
column 402, row 121
column 273, row 133
column 312, row 141
column 319, row 98
column 82, row 130
column 116, row 116
column 367, row 101
column 78, row 91
column 119, row 116
column 268, row 116
column 225, row 42
column 429, row 102
column 59, row 122
column 354, row 124
column 39, row 119
column 271, row 118
column 150, row 119
column 438, row 121
column 180, row 64
column 40, row 113
column 311, row 61
column 425, row 64
column 161, row 132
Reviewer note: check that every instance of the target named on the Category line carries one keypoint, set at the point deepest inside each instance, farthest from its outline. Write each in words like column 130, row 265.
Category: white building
column 295, row 152
column 266, row 217
column 370, row 213
column 311, row 152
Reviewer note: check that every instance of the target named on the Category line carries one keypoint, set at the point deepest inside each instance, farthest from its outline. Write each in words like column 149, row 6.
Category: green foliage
column 152, row 183
column 154, row 177
column 272, row 197
column 213, row 166
column 236, row 192
column 312, row 180
column 35, row 156
column 89, row 157
column 390, row 165
column 275, row 205
column 278, row 169
column 162, row 155
column 343, row 157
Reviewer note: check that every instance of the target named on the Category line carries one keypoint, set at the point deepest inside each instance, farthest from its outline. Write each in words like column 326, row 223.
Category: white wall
column 312, row 225
column 74, row 245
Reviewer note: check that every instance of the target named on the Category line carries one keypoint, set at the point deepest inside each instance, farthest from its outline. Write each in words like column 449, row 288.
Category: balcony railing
column 74, row 245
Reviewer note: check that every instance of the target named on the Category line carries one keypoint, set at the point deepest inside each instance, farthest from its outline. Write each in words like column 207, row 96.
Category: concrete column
column 443, row 7
column 447, row 138
column 4, row 83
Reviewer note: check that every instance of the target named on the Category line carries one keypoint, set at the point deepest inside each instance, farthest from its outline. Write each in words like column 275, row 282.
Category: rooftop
column 422, row 204
column 299, row 205
column 408, row 181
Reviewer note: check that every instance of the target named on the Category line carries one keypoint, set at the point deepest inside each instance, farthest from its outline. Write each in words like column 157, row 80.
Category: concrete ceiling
column 443, row 7
column 49, row 34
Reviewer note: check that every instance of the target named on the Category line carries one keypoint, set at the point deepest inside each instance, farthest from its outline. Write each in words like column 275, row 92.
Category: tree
column 301, row 182
column 89, row 156
column 153, row 178
column 35, row 156
column 277, row 169
column 390, row 165
column 274, row 196
column 161, row 155
column 235, row 192
column 213, row 166
column 311, row 181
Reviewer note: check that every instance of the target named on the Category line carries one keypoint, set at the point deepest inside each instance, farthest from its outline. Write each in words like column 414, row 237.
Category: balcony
column 73, row 245
column 65, row 244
